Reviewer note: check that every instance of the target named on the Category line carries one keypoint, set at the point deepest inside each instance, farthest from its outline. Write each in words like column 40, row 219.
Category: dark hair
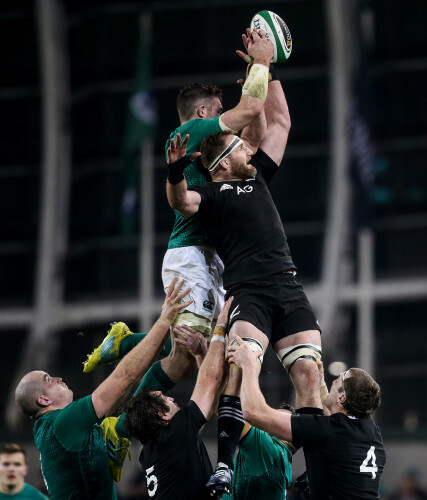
column 286, row 406
column 191, row 96
column 142, row 415
column 12, row 448
column 212, row 146
column 363, row 394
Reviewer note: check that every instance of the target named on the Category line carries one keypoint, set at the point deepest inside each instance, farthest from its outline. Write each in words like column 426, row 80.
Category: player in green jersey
column 263, row 465
column 74, row 457
column 13, row 469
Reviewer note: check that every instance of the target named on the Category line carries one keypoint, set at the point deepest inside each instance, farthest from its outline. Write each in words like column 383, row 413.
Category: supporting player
column 174, row 457
column 73, row 453
column 344, row 449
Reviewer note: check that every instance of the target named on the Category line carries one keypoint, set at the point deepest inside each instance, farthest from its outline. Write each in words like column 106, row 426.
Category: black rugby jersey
column 176, row 463
column 241, row 221
column 345, row 456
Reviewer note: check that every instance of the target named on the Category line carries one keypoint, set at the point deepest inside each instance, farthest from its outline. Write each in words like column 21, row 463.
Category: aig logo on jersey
column 245, row 189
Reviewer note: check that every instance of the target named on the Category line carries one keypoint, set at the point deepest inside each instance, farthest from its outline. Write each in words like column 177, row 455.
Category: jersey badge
column 244, row 189
column 225, row 186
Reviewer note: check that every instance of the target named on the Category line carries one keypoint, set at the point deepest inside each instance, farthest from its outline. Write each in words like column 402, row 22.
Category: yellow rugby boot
column 108, row 351
column 117, row 446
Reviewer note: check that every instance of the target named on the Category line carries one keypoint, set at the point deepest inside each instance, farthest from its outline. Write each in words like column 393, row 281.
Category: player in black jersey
column 239, row 218
column 174, row 458
column 343, row 448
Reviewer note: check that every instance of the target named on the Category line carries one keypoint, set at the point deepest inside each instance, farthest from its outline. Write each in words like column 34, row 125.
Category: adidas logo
column 224, row 435
column 225, row 186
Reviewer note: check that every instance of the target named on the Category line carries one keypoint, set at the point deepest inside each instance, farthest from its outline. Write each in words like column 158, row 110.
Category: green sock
column 121, row 427
column 130, row 342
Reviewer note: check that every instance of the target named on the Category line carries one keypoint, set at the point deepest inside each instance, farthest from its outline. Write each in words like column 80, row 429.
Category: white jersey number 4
column 370, row 457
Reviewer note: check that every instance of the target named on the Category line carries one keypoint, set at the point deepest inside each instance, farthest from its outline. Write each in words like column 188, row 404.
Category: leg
column 230, row 416
column 200, row 268
column 303, row 371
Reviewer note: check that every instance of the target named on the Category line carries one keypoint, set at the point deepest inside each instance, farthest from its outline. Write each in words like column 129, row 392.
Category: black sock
column 230, row 426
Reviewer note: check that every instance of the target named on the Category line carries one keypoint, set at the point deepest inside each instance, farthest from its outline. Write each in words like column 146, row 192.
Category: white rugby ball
column 276, row 31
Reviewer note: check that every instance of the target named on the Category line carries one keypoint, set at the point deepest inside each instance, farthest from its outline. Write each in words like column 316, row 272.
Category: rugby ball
column 276, row 31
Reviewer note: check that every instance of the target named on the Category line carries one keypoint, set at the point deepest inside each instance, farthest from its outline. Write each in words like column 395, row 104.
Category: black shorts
column 277, row 305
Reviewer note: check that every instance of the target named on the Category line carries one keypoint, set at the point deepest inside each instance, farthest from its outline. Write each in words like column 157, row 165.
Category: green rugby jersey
column 262, row 468
column 186, row 230
column 73, row 455
column 28, row 493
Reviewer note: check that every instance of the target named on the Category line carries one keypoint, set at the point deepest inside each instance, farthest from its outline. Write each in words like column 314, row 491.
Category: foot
column 117, row 446
column 108, row 351
column 220, row 482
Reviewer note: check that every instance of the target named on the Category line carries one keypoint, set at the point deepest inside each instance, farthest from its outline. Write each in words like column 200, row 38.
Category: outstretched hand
column 257, row 46
column 247, row 39
column 193, row 340
column 178, row 149
column 172, row 304
column 240, row 354
column 223, row 315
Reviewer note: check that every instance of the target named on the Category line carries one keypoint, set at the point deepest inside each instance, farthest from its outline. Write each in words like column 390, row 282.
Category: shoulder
column 33, row 492
column 200, row 127
column 261, row 158
column 79, row 413
column 205, row 190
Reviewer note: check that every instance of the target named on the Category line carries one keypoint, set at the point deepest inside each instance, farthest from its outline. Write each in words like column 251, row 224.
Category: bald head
column 28, row 391
column 38, row 392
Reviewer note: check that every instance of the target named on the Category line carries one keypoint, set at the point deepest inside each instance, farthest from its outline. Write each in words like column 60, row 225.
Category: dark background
column 194, row 41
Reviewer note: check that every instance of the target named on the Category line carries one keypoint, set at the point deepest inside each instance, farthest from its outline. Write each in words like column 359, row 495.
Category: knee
column 305, row 373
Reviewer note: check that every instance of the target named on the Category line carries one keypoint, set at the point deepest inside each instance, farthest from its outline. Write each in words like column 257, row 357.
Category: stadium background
column 71, row 262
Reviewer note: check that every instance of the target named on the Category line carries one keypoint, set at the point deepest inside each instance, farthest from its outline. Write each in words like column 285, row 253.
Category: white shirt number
column 152, row 482
column 373, row 469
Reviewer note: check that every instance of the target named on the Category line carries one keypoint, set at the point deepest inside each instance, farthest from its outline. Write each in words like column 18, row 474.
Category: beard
column 243, row 171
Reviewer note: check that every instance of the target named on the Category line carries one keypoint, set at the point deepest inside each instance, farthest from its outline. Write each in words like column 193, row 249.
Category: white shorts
column 201, row 268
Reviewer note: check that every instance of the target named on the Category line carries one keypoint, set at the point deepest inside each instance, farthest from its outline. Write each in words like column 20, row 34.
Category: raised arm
column 133, row 366
column 254, row 90
column 179, row 198
column 255, row 409
column 211, row 370
column 278, row 119
column 256, row 129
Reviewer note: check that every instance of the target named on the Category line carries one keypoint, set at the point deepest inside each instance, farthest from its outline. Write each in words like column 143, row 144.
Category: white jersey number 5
column 152, row 482
column 373, row 469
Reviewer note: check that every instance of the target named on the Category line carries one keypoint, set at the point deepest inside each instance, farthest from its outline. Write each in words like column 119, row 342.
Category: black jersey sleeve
column 196, row 414
column 206, row 192
column 265, row 166
column 308, row 430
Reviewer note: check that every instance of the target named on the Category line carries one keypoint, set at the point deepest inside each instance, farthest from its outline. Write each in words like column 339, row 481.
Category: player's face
column 170, row 403
column 239, row 162
column 214, row 108
column 173, row 407
column 13, row 470
column 56, row 389
column 337, row 389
